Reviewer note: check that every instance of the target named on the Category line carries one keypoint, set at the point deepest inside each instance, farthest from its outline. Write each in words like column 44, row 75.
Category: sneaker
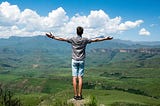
column 75, row 97
column 79, row 97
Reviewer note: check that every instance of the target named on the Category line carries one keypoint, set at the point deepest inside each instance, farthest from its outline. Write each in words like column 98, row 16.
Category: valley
column 38, row 71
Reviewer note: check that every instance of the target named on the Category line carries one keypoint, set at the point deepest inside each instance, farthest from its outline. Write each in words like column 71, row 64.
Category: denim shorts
column 77, row 68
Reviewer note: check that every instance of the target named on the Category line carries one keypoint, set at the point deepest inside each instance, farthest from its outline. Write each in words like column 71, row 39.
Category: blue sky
column 136, row 20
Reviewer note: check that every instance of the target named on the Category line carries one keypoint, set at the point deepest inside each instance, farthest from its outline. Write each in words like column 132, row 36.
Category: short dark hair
column 79, row 30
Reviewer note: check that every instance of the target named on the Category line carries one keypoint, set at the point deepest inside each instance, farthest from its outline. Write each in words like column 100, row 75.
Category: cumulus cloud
column 15, row 22
column 56, row 18
column 128, row 25
column 9, row 14
column 143, row 31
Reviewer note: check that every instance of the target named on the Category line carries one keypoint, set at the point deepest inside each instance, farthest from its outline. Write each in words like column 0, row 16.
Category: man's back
column 78, row 47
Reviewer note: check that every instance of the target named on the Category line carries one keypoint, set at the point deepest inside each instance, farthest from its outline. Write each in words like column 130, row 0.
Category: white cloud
column 9, row 14
column 128, row 25
column 143, row 31
column 29, row 20
column 15, row 22
column 98, row 19
column 56, row 18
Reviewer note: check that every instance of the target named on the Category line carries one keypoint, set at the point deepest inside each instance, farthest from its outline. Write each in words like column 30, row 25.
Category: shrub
column 6, row 98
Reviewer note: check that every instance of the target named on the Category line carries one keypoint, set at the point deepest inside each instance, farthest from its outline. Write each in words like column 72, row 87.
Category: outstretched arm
column 50, row 35
column 101, row 39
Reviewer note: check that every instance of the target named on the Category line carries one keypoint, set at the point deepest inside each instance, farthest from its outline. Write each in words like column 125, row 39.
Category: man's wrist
column 52, row 37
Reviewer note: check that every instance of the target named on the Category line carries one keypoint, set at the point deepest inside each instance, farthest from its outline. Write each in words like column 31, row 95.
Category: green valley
column 37, row 71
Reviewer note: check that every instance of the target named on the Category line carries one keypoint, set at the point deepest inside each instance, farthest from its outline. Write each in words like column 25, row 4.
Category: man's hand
column 109, row 38
column 49, row 35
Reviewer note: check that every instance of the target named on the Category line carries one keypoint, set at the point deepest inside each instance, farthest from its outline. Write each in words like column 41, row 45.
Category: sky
column 135, row 20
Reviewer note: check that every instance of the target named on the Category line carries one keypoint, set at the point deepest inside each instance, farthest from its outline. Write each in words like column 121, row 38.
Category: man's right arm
column 50, row 35
column 101, row 39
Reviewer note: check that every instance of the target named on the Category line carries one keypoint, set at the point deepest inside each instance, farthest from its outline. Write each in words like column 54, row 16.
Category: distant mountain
column 43, row 52
column 144, row 43
column 42, row 42
column 32, row 43
column 151, row 43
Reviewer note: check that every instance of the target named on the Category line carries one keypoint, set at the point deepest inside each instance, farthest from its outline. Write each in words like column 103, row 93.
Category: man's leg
column 80, row 80
column 74, row 79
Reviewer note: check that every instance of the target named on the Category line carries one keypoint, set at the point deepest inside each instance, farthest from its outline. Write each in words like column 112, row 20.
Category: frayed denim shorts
column 77, row 68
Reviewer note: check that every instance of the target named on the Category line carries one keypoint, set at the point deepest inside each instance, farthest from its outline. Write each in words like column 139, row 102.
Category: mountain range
column 42, row 42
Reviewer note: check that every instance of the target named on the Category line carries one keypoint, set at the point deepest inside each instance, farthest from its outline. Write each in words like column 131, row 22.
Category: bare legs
column 75, row 85
column 77, row 73
column 80, row 86
column 77, row 89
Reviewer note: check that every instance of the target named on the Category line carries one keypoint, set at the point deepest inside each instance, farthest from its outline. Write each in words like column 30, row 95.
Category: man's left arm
column 101, row 39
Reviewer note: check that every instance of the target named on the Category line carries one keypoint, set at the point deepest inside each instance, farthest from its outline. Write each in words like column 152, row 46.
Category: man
column 78, row 57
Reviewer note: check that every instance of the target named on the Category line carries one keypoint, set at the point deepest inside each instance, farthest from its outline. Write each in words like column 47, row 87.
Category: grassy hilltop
column 118, row 73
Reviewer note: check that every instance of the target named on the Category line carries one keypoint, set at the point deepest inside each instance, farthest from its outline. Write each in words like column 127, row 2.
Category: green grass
column 105, row 97
column 37, row 72
column 108, row 97
column 32, row 99
column 56, row 85
column 6, row 78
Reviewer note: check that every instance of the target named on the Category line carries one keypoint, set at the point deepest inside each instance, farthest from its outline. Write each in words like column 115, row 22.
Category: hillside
column 38, row 70
column 41, row 52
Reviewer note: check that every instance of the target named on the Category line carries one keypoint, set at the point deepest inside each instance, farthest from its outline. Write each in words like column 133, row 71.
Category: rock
column 78, row 102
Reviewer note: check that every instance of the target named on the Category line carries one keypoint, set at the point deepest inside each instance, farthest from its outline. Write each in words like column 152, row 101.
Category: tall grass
column 92, row 101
